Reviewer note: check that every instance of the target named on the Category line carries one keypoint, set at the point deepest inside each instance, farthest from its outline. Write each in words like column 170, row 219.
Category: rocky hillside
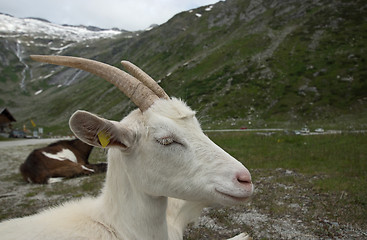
column 256, row 63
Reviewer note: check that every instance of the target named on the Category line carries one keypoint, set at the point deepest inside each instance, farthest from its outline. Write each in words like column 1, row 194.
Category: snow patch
column 62, row 48
column 40, row 29
column 209, row 8
column 38, row 92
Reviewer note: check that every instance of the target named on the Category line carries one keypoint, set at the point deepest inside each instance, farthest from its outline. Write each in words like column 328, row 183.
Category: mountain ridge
column 240, row 63
column 14, row 27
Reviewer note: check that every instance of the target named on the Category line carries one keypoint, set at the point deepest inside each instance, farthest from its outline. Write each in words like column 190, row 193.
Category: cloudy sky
column 124, row 14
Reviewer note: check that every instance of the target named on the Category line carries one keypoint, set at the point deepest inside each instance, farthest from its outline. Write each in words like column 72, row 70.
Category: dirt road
column 25, row 142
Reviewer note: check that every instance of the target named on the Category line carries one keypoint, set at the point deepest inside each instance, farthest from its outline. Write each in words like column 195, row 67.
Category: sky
column 129, row 15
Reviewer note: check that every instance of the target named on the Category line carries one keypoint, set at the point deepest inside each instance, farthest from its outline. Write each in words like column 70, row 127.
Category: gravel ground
column 290, row 209
column 286, row 205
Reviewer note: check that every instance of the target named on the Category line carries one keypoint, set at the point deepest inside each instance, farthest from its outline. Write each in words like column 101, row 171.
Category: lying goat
column 157, row 151
column 65, row 158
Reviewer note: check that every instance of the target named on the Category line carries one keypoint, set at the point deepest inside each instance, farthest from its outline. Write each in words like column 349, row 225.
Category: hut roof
column 5, row 116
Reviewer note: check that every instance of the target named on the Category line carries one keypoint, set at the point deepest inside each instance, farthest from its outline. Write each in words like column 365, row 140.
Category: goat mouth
column 232, row 197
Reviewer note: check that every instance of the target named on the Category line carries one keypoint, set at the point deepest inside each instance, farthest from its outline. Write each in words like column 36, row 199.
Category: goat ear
column 100, row 132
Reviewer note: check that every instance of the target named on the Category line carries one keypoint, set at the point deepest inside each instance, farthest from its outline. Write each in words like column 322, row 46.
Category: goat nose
column 244, row 177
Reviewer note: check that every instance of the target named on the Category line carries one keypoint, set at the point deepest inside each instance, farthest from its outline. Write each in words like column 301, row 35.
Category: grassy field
column 306, row 187
column 339, row 161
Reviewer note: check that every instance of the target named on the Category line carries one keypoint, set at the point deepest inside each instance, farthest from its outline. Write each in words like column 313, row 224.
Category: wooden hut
column 5, row 120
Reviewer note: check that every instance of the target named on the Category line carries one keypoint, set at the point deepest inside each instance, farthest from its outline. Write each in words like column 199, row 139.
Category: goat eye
column 165, row 141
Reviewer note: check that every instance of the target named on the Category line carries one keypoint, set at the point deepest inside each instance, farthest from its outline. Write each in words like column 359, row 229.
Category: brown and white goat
column 157, row 151
column 62, row 159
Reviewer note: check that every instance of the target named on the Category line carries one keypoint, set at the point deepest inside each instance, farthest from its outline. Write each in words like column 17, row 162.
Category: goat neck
column 126, row 209
column 179, row 214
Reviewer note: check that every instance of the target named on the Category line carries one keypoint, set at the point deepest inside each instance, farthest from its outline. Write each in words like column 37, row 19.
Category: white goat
column 157, row 151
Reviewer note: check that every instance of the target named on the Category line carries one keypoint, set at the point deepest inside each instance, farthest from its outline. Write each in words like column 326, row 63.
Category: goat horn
column 140, row 94
column 145, row 78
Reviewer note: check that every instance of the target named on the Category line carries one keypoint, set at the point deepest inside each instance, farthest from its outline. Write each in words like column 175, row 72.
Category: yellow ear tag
column 104, row 138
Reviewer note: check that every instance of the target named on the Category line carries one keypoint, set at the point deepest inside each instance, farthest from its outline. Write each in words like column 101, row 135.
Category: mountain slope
column 265, row 62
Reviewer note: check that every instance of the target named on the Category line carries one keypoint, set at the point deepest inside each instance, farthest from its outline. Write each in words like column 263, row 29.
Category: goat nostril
column 244, row 181
column 244, row 178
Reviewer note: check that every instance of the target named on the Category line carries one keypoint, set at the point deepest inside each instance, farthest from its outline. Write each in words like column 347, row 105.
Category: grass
column 340, row 160
column 342, row 157
column 4, row 138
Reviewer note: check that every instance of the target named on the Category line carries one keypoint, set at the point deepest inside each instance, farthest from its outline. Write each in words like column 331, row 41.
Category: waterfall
column 18, row 52
column 74, row 78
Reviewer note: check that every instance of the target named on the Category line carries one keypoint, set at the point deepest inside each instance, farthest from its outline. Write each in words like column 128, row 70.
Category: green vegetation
column 9, row 73
column 342, row 158
column 338, row 161
column 280, row 65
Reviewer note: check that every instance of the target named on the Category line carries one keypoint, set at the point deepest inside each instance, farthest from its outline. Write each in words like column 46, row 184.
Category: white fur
column 179, row 214
column 142, row 172
column 54, row 180
column 88, row 169
column 63, row 155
